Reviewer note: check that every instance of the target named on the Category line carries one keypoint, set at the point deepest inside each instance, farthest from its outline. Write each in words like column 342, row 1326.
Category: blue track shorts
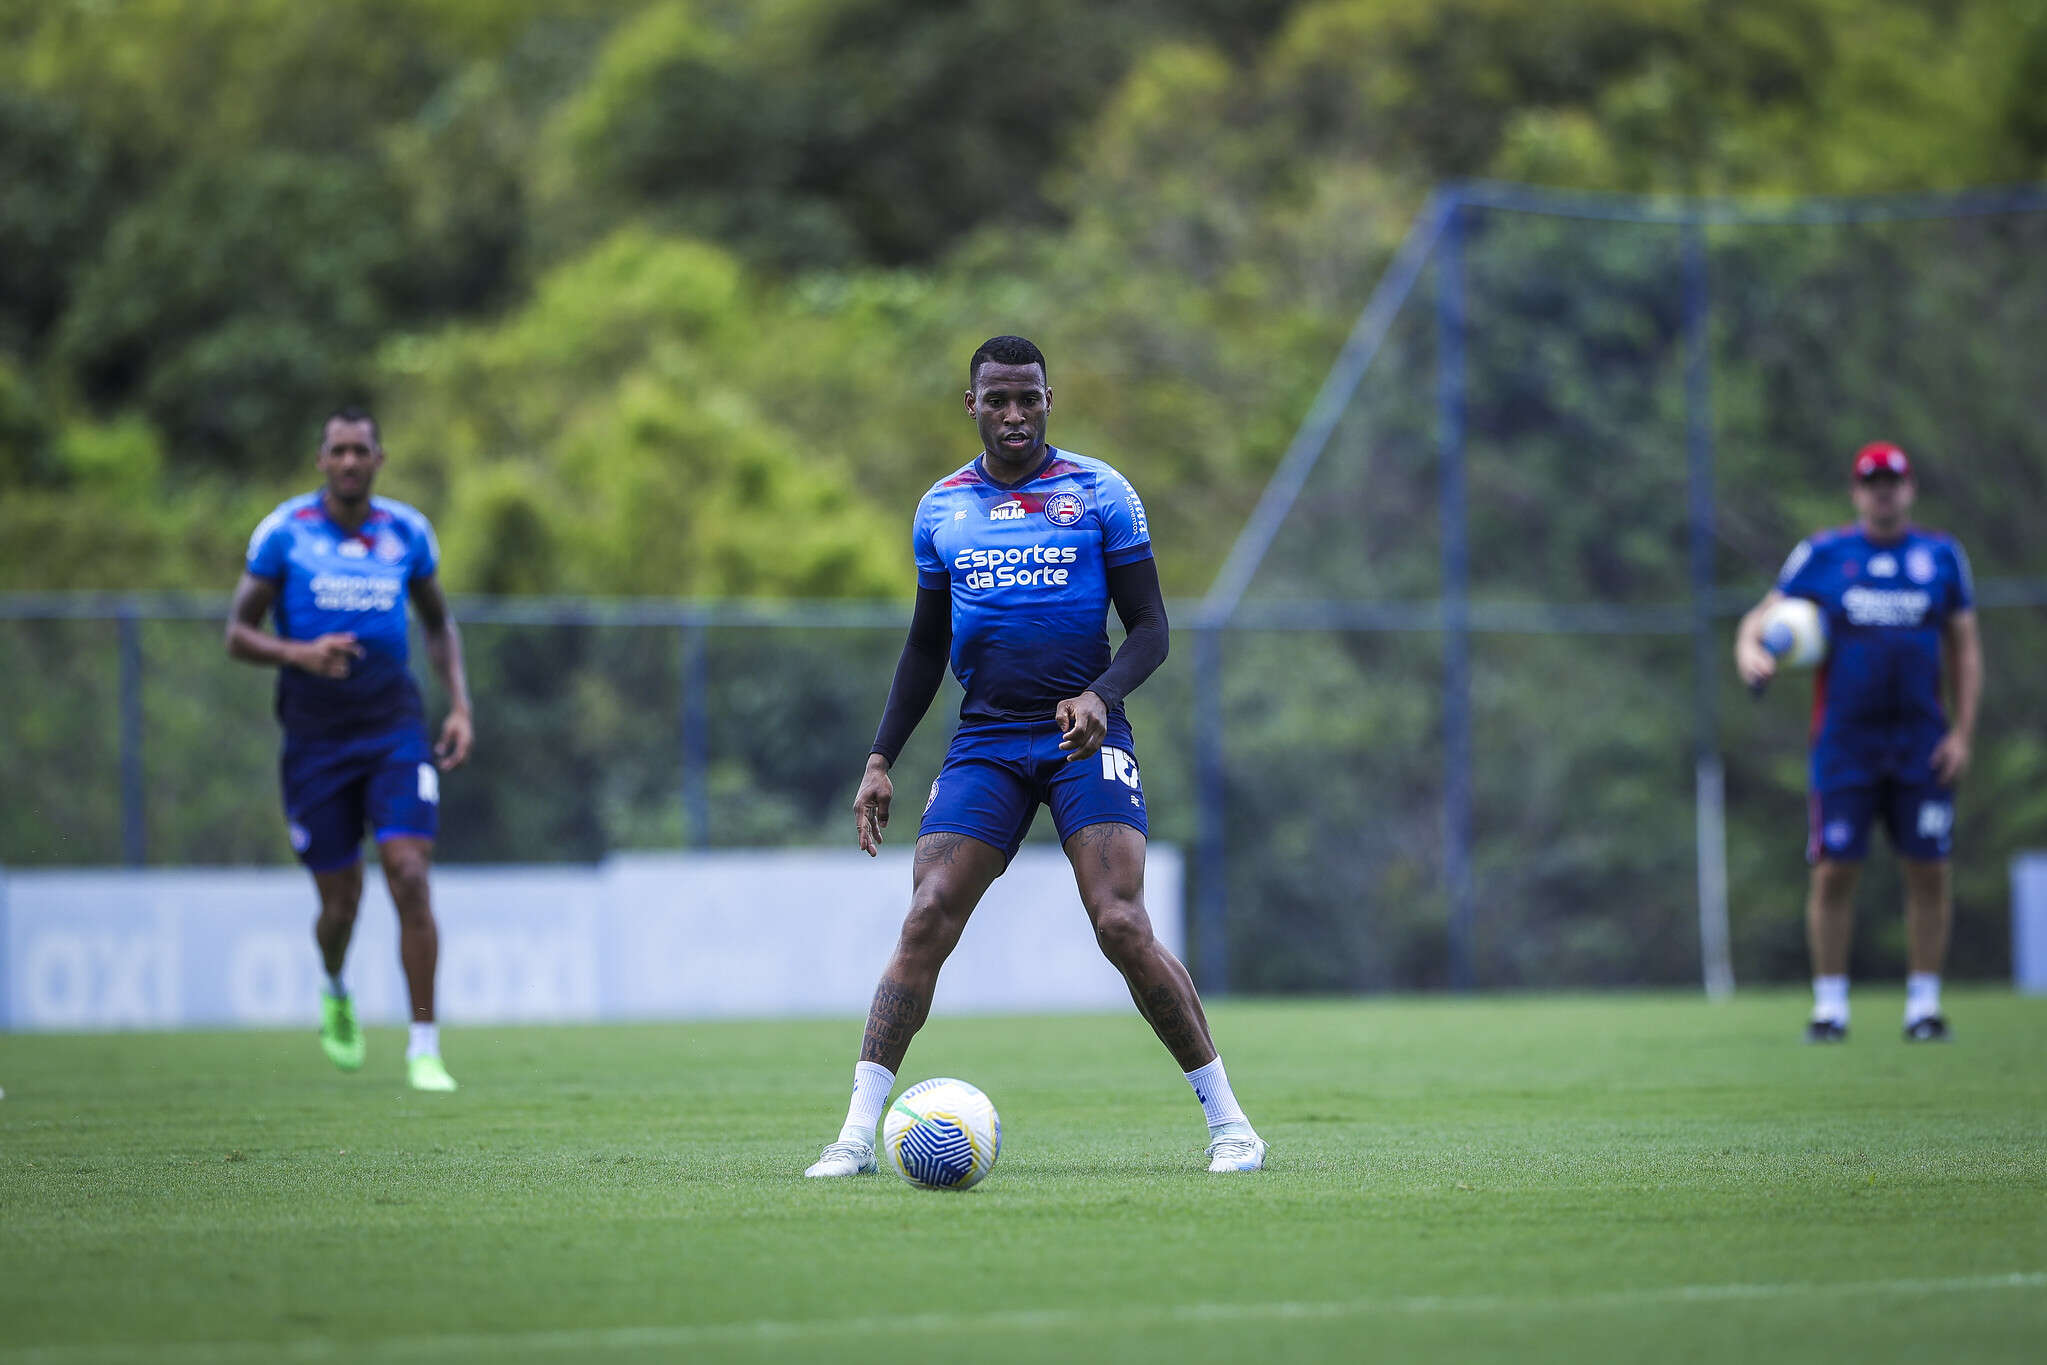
column 995, row 777
column 1919, row 817
column 334, row 789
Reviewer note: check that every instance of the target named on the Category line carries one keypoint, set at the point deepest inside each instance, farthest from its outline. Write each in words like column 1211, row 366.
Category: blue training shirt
column 1028, row 566
column 331, row 580
column 1876, row 700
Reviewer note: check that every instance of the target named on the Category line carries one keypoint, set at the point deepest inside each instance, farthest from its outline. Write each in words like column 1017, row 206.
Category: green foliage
column 673, row 297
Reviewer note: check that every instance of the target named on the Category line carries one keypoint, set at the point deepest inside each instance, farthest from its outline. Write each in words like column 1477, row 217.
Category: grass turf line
column 1524, row 1178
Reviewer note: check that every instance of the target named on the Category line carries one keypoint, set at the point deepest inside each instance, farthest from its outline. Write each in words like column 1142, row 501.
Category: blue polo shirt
column 330, row 580
column 1028, row 564
column 1877, row 710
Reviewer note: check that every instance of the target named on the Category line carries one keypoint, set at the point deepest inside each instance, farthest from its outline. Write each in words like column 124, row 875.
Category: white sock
column 1830, row 999
column 1922, row 996
column 871, row 1084
column 426, row 1041
column 1218, row 1103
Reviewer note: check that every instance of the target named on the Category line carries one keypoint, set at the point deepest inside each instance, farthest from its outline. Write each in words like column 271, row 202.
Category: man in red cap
column 1901, row 619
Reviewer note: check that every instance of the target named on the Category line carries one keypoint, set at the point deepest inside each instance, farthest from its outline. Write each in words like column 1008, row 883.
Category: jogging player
column 1901, row 619
column 336, row 568
column 1019, row 555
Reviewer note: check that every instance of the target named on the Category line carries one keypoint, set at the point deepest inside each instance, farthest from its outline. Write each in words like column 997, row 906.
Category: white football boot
column 849, row 1157
column 1243, row 1151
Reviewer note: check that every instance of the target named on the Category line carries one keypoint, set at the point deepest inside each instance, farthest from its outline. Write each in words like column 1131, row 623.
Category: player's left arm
column 444, row 653
column 1141, row 606
column 1962, row 661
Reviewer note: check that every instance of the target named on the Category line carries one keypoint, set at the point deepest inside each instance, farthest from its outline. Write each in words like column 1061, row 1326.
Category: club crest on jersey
column 1063, row 509
column 1919, row 566
column 389, row 548
column 1007, row 511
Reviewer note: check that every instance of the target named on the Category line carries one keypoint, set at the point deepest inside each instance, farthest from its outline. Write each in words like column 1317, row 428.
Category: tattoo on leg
column 1174, row 1028
column 895, row 1015
column 939, row 848
column 1098, row 838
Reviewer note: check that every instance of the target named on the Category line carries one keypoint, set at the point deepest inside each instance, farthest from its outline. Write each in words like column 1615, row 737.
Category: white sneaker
column 846, row 1158
column 1237, row 1152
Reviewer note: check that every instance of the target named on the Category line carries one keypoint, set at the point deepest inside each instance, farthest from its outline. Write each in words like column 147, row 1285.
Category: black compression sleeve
column 1134, row 588
column 918, row 672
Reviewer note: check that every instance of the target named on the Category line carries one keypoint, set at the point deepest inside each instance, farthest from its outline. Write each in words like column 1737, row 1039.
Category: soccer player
column 1019, row 555
column 1900, row 614
column 337, row 567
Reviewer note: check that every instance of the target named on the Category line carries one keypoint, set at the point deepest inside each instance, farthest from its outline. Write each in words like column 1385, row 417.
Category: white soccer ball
column 942, row 1134
column 1795, row 633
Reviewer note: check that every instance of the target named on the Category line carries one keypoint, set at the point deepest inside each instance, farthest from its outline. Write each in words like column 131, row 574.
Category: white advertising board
column 642, row 936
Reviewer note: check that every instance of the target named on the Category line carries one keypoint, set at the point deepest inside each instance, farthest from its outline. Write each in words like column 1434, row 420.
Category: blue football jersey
column 1028, row 566
column 1876, row 700
column 331, row 580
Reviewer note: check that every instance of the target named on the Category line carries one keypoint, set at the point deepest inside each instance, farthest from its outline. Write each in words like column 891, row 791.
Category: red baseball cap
column 1881, row 457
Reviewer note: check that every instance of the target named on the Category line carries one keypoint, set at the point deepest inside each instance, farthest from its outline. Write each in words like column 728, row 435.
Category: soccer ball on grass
column 942, row 1134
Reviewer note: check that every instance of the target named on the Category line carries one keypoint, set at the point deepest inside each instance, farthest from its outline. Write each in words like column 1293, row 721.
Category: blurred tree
column 238, row 304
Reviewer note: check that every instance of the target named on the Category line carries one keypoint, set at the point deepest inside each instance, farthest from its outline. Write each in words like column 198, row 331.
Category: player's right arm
column 329, row 656
column 1755, row 664
column 918, row 673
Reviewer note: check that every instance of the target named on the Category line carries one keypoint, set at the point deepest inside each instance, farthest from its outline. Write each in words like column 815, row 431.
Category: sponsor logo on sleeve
column 1136, row 510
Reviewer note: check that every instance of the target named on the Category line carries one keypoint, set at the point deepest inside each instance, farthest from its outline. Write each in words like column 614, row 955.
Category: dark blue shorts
column 335, row 789
column 995, row 777
column 1918, row 817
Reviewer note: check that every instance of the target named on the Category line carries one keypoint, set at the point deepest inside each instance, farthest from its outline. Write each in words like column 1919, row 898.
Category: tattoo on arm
column 1168, row 1020
column 939, row 848
column 893, row 1018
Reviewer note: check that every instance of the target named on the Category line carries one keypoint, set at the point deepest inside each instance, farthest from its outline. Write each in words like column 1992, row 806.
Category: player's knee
column 1123, row 929
column 1833, row 877
column 932, row 926
column 338, row 909
column 406, row 879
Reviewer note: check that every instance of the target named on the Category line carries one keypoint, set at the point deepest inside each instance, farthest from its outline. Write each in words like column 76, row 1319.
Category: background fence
column 1458, row 710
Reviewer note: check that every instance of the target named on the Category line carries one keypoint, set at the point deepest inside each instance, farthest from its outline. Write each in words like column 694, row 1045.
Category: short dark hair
column 350, row 412
column 1006, row 350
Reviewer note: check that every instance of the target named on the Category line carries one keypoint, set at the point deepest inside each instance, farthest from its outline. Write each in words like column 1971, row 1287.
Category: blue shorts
column 1919, row 817
column 334, row 789
column 995, row 776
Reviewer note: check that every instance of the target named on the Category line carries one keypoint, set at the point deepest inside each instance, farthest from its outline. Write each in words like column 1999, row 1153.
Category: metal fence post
column 1709, row 777
column 1211, row 911
column 1457, row 876
column 134, row 813
column 695, row 725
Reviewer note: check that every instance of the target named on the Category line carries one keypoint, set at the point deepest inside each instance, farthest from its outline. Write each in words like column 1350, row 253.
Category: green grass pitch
column 1521, row 1179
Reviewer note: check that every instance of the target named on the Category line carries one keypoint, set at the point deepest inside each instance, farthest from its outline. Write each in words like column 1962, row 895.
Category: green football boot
column 427, row 1073
column 340, row 1035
